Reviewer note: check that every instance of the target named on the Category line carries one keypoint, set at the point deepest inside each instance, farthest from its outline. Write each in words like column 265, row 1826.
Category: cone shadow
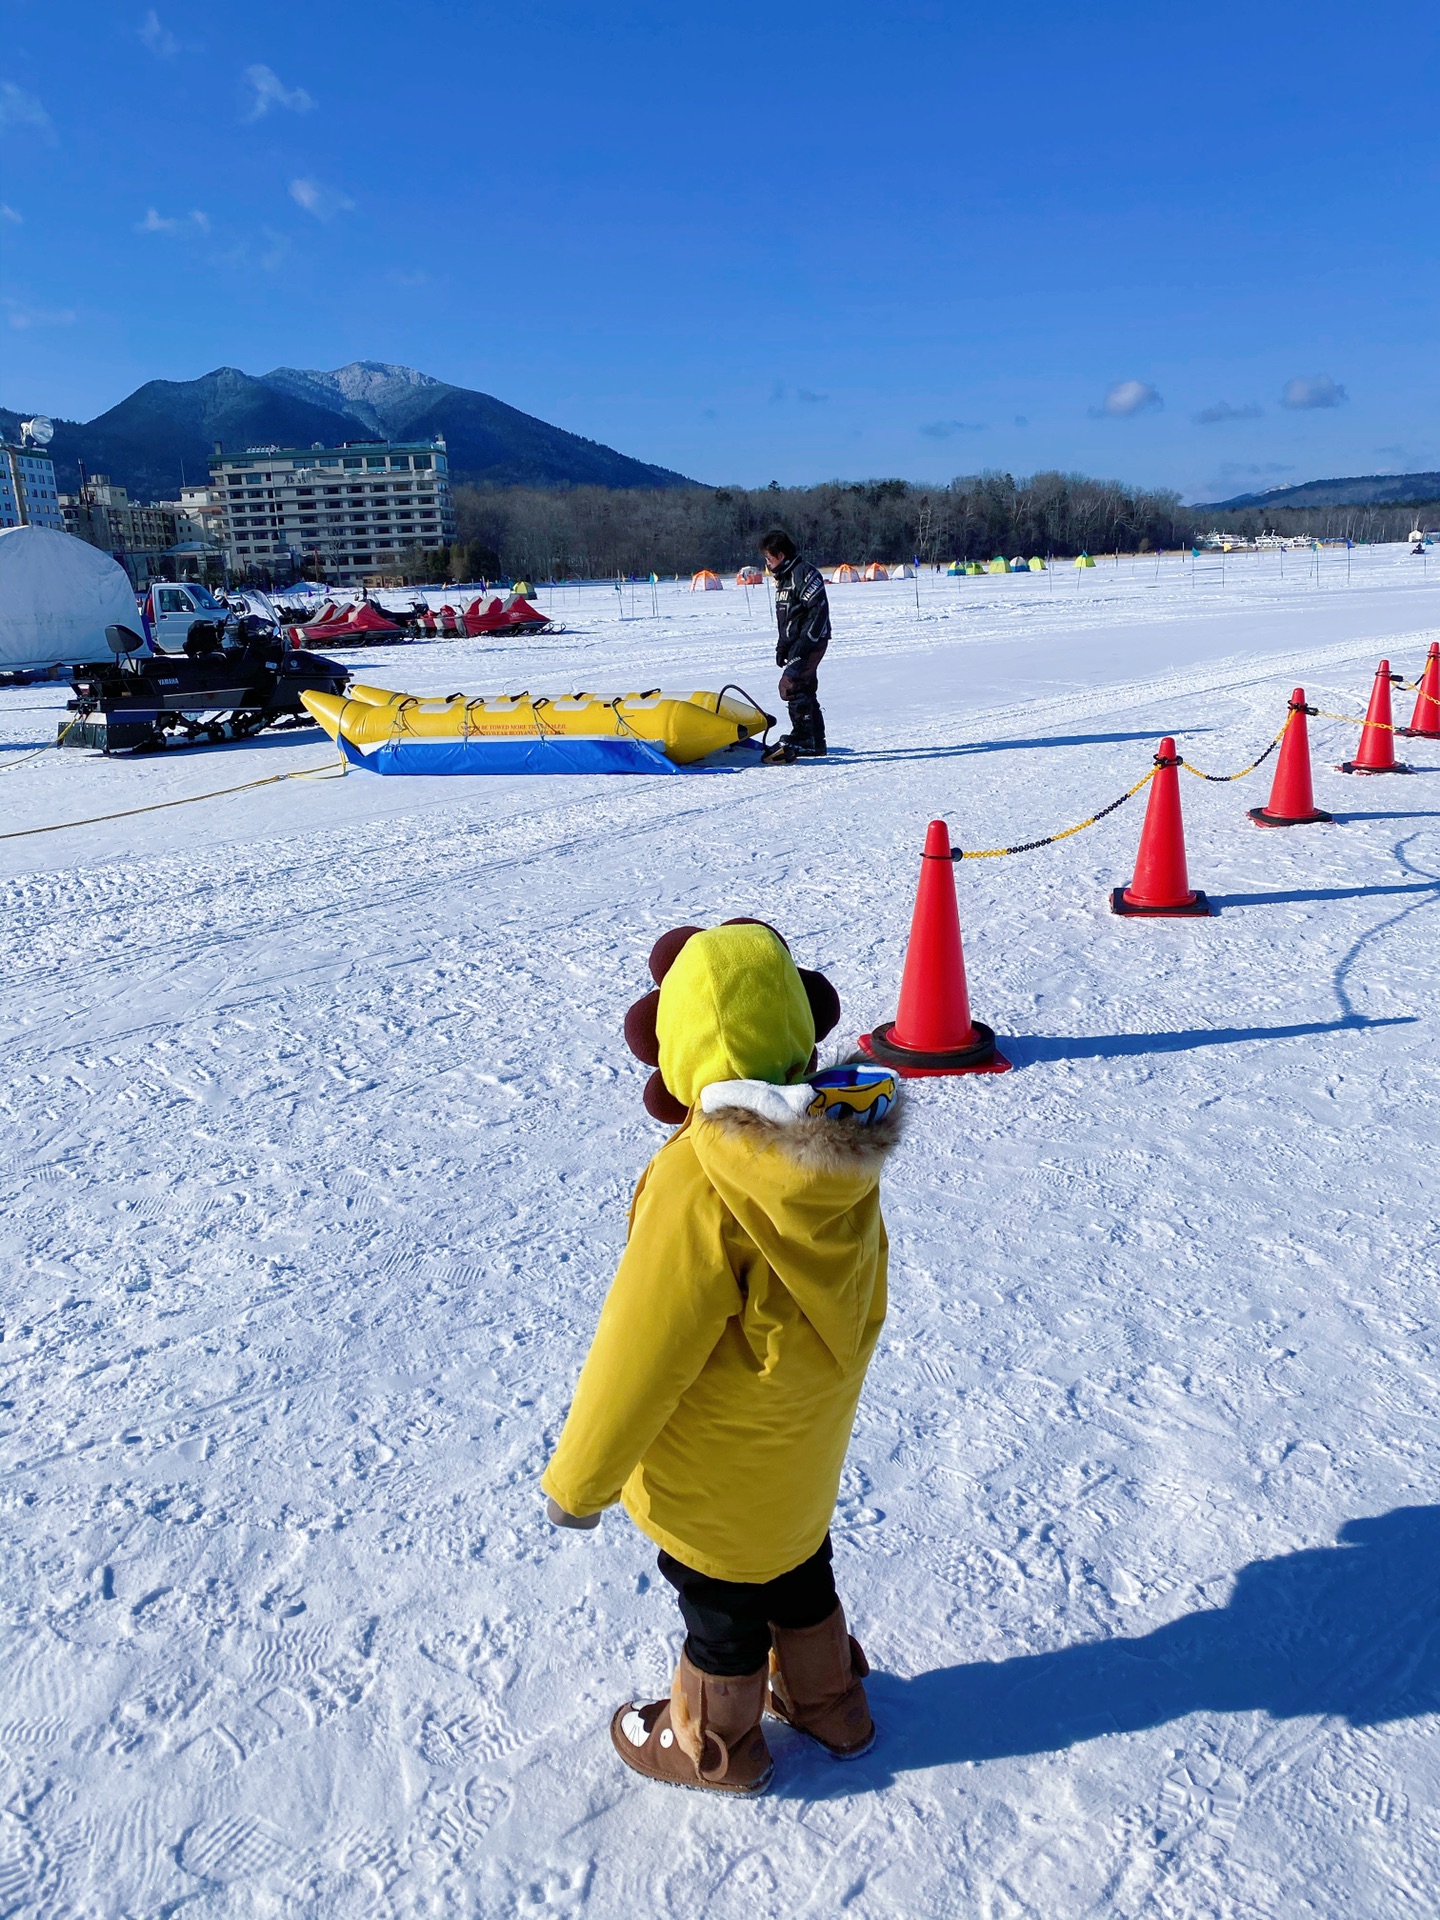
column 996, row 746
column 1300, row 894
column 1348, row 819
column 1032, row 1049
column 1346, row 1630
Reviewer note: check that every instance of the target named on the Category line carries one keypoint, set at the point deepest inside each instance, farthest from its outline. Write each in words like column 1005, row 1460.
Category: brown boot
column 815, row 1684
column 707, row 1734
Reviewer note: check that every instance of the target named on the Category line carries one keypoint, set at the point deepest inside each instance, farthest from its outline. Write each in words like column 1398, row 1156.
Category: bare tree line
column 591, row 531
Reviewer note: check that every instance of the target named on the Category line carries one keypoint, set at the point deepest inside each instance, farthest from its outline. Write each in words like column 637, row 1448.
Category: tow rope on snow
column 58, row 741
column 186, row 800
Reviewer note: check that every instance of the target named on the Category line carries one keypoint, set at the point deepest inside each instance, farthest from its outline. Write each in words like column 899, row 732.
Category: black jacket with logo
column 802, row 614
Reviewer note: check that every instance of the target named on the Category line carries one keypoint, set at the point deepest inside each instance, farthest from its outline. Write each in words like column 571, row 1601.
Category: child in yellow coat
column 720, row 1389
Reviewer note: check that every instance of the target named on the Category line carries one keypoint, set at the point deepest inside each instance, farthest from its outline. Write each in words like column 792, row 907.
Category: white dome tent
column 57, row 596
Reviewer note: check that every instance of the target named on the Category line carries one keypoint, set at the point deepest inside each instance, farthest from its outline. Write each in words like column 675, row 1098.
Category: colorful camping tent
column 973, row 567
column 705, row 582
column 1084, row 560
column 876, row 572
column 845, row 576
column 749, row 577
column 998, row 565
column 1037, row 565
column 956, row 566
column 901, row 571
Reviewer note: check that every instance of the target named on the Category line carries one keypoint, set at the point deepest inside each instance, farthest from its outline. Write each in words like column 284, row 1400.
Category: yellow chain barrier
column 1029, row 846
column 1223, row 779
column 1358, row 720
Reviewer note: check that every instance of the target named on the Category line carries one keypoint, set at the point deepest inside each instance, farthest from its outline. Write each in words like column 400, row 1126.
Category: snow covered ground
column 318, row 1131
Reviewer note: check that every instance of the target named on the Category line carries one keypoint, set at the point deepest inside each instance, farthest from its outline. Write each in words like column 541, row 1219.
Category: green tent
column 1037, row 565
column 1084, row 561
column 998, row 565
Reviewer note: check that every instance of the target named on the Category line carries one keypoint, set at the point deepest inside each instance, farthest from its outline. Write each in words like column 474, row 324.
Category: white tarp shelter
column 57, row 596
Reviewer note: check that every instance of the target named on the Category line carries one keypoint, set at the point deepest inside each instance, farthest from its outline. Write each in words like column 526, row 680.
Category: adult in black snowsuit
column 802, row 614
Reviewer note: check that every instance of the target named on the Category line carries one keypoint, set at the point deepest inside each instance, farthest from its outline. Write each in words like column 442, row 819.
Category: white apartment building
column 28, row 495
column 341, row 512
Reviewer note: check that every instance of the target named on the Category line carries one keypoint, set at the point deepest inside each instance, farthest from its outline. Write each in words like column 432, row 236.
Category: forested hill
column 1365, row 490
column 166, row 431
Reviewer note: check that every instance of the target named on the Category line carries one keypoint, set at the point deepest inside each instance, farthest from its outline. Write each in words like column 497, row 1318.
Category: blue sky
column 1193, row 247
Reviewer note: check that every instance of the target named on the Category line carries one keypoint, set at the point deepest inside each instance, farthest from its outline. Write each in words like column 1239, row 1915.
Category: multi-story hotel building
column 342, row 512
column 27, row 489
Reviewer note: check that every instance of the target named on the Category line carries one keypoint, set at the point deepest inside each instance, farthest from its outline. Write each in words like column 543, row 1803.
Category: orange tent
column 705, row 582
column 846, row 576
column 749, row 577
column 875, row 571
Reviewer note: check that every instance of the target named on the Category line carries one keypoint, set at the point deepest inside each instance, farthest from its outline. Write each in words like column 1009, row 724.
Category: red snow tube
column 366, row 619
column 481, row 616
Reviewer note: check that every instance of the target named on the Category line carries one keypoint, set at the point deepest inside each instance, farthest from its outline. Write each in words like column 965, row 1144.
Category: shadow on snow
column 1348, row 1630
column 1030, row 1049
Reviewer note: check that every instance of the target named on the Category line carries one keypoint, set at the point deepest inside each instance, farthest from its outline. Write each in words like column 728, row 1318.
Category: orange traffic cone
column 1425, row 721
column 1292, row 798
column 1376, row 752
column 1161, row 887
column 933, row 1032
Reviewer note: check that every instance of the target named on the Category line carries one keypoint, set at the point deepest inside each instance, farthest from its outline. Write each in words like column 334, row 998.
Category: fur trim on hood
column 815, row 1142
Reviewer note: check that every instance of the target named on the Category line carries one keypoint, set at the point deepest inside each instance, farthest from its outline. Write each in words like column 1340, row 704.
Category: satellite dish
column 40, row 430
column 124, row 640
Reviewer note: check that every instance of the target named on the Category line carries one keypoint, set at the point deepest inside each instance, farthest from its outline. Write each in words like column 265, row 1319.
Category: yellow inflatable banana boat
column 530, row 733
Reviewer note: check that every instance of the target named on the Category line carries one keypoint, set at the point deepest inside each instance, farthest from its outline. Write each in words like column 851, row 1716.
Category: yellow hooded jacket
column 720, row 1389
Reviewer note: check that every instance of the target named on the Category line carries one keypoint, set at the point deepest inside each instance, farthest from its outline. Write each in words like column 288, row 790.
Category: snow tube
column 359, row 620
column 523, row 733
column 497, row 615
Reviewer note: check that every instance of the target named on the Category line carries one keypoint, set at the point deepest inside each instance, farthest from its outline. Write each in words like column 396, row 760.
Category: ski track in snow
column 318, row 1134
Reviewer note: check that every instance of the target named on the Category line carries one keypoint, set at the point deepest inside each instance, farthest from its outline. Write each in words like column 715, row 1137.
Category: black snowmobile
column 231, row 680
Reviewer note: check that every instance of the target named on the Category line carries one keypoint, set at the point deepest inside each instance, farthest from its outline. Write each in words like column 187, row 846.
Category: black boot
column 807, row 727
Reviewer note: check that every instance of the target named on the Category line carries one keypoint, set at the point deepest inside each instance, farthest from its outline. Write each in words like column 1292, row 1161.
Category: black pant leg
column 806, row 1595
column 799, row 689
column 728, row 1621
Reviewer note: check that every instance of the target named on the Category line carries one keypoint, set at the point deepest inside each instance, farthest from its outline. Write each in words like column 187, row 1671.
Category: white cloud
column 324, row 202
column 1322, row 391
column 946, row 429
column 19, row 109
column 1223, row 411
column 159, row 39
column 269, row 90
column 187, row 223
column 11, row 217
column 22, row 318
column 1125, row 399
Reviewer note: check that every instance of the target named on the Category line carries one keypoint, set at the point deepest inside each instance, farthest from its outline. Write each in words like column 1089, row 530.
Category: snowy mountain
column 166, row 431
column 1365, row 490
column 368, row 390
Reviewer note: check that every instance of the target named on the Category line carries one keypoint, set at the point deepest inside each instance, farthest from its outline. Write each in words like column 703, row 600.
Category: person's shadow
column 1352, row 1629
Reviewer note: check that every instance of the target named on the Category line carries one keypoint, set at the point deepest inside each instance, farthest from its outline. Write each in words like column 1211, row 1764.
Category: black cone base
column 1264, row 819
column 1195, row 909
column 1353, row 766
column 981, row 1057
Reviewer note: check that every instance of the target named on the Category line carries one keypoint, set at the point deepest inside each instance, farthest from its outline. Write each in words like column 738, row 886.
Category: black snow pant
column 799, row 689
column 728, row 1621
